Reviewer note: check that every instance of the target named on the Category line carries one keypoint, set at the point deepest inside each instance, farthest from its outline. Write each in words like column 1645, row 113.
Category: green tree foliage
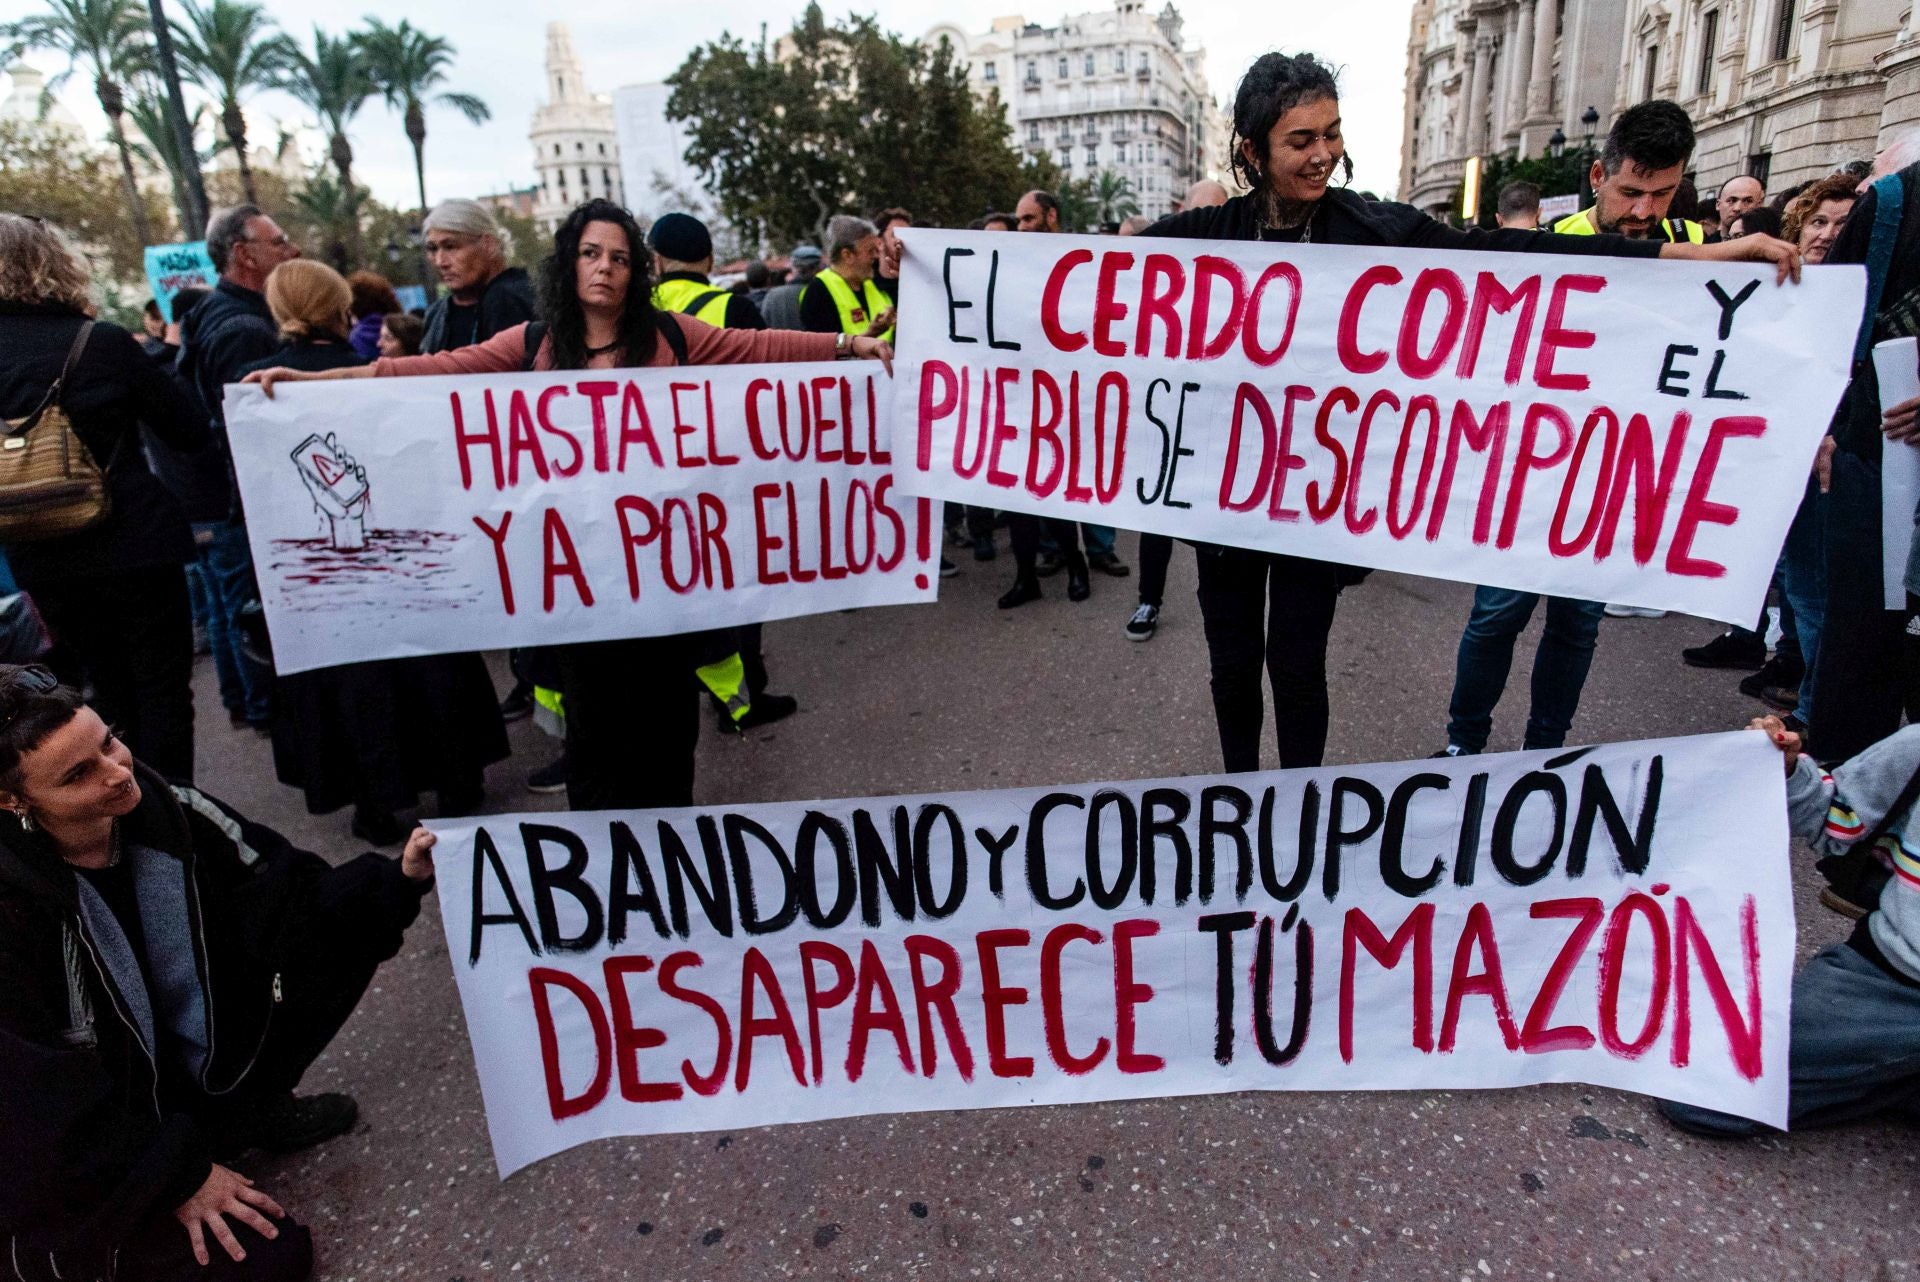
column 51, row 175
column 109, row 38
column 232, row 49
column 1114, row 196
column 1553, row 175
column 843, row 118
column 332, row 82
column 157, row 145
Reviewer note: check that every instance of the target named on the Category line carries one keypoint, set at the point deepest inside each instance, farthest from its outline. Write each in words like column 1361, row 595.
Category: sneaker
column 1632, row 612
column 1781, row 698
column 1109, row 564
column 767, row 709
column 1452, row 750
column 1049, row 564
column 550, row 778
column 983, row 549
column 289, row 1123
column 1140, row 627
column 1775, row 673
column 947, row 568
column 1727, row 651
column 518, row 705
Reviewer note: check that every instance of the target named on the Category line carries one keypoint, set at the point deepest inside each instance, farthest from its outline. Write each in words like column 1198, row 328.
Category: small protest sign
column 172, row 268
column 1618, row 915
column 406, row 516
column 1602, row 428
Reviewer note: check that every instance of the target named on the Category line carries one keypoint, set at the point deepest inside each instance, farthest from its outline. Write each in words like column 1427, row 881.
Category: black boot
column 1023, row 590
column 376, row 825
column 288, row 1123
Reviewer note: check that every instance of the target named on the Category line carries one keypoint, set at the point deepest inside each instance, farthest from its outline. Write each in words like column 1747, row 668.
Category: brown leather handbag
column 50, row 485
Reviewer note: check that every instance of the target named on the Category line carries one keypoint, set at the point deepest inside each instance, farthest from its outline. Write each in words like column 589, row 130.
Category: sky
column 501, row 58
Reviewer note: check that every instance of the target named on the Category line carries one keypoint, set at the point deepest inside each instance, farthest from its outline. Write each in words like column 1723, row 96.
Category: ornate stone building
column 1114, row 90
column 575, row 150
column 1784, row 89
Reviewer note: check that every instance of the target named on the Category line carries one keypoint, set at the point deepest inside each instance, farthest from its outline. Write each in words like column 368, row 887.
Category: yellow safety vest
column 855, row 318
column 1670, row 229
column 683, row 295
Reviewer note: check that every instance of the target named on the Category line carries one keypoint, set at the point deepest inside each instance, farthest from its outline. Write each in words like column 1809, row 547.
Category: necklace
column 1277, row 218
column 602, row 351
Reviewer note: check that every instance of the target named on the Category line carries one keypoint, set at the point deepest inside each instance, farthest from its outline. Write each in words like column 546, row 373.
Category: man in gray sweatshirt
column 1856, row 1006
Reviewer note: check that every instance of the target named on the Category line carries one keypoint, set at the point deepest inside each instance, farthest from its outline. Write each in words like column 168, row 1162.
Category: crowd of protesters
column 126, row 1111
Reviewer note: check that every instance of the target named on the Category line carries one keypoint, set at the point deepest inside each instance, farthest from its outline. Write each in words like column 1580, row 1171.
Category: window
column 1143, row 60
column 990, row 71
column 579, row 146
column 1064, row 67
column 1089, row 63
column 556, row 149
column 1120, row 60
column 1653, row 70
column 1709, row 36
column 1033, row 71
column 1033, row 131
column 603, row 149
column 1760, row 167
column 1093, row 158
column 584, row 180
column 1783, row 31
column 606, row 177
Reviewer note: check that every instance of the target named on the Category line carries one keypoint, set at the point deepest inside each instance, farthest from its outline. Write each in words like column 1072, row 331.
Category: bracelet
column 842, row 346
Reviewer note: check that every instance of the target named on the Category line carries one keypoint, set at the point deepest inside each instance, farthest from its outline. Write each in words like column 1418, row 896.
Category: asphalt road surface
column 1547, row 1182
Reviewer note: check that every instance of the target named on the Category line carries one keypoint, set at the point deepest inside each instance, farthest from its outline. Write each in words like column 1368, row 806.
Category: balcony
column 1091, row 137
column 1036, row 145
column 1143, row 73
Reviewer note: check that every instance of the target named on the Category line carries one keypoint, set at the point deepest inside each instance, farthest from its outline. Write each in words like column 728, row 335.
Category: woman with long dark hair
column 633, row 708
column 1263, row 607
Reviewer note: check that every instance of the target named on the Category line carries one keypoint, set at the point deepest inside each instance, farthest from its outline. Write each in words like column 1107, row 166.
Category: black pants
column 161, row 1252
column 132, row 633
column 1869, row 665
column 1023, row 531
column 633, row 721
column 1258, row 608
column 1156, row 553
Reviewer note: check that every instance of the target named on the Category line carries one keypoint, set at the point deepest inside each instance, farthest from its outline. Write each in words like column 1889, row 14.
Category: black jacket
column 100, row 1128
column 1344, row 218
column 115, row 387
column 305, row 354
column 230, row 327
column 1856, row 424
column 505, row 301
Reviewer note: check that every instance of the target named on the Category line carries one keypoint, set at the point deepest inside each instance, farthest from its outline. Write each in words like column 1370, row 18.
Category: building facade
column 1786, row 90
column 576, row 151
column 1111, row 91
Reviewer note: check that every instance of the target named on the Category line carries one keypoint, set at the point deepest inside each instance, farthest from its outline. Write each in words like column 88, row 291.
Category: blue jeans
column 1098, row 538
column 1486, row 654
column 1803, row 582
column 225, row 563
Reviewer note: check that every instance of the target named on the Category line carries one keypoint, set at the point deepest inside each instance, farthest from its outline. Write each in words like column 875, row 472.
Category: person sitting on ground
column 401, row 334
column 168, row 971
column 373, row 301
column 1855, row 1044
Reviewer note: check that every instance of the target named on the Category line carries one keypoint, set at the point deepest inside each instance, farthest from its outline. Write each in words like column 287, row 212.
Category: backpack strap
column 675, row 336
column 536, row 335
column 1889, row 199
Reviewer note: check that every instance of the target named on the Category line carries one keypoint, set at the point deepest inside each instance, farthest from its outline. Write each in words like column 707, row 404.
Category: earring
column 1346, row 168
column 26, row 820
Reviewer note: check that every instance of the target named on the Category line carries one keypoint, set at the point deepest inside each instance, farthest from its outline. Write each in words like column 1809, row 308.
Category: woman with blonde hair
column 113, row 593
column 373, row 734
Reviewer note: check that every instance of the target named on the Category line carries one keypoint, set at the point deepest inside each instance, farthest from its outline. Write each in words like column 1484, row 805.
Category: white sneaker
column 1140, row 627
column 1632, row 612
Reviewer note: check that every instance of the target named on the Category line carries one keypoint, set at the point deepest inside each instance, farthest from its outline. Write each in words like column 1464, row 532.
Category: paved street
column 1552, row 1182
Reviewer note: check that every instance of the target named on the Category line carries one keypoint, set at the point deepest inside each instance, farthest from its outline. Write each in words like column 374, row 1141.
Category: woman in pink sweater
column 633, row 706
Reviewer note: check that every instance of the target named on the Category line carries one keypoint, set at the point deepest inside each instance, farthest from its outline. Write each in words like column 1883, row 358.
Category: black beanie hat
column 681, row 237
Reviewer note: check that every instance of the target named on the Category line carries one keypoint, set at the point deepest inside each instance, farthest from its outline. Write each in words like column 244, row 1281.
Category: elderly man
column 229, row 329
column 1204, row 195
column 484, row 295
column 781, row 309
column 845, row 298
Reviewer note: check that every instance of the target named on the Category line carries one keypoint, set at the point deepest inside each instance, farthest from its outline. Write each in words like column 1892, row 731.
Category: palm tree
column 332, row 82
column 333, row 210
column 406, row 65
column 159, row 144
column 231, row 48
column 109, row 36
column 1114, row 195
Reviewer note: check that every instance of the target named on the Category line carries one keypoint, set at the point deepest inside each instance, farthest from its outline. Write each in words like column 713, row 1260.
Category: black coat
column 115, row 387
column 505, row 301
column 230, row 328
column 1856, row 424
column 1344, row 218
column 98, row 1130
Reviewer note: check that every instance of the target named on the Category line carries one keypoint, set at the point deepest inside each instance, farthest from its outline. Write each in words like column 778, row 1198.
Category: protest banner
column 172, row 268
column 1897, row 369
column 406, row 516
column 1618, row 915
column 1611, row 429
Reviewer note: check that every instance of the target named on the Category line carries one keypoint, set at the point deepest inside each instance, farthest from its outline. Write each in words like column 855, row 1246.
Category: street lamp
column 1556, row 144
column 1589, row 120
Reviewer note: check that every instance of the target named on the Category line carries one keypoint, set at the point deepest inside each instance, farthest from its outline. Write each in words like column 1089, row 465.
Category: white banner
column 1619, row 915
column 1603, row 428
column 410, row 516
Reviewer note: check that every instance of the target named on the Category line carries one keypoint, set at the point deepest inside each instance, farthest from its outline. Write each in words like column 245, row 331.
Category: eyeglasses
column 275, row 241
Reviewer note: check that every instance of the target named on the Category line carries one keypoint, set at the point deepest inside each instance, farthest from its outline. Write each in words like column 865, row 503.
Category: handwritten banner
column 1448, row 924
column 1611, row 429
column 172, row 268
column 406, row 516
